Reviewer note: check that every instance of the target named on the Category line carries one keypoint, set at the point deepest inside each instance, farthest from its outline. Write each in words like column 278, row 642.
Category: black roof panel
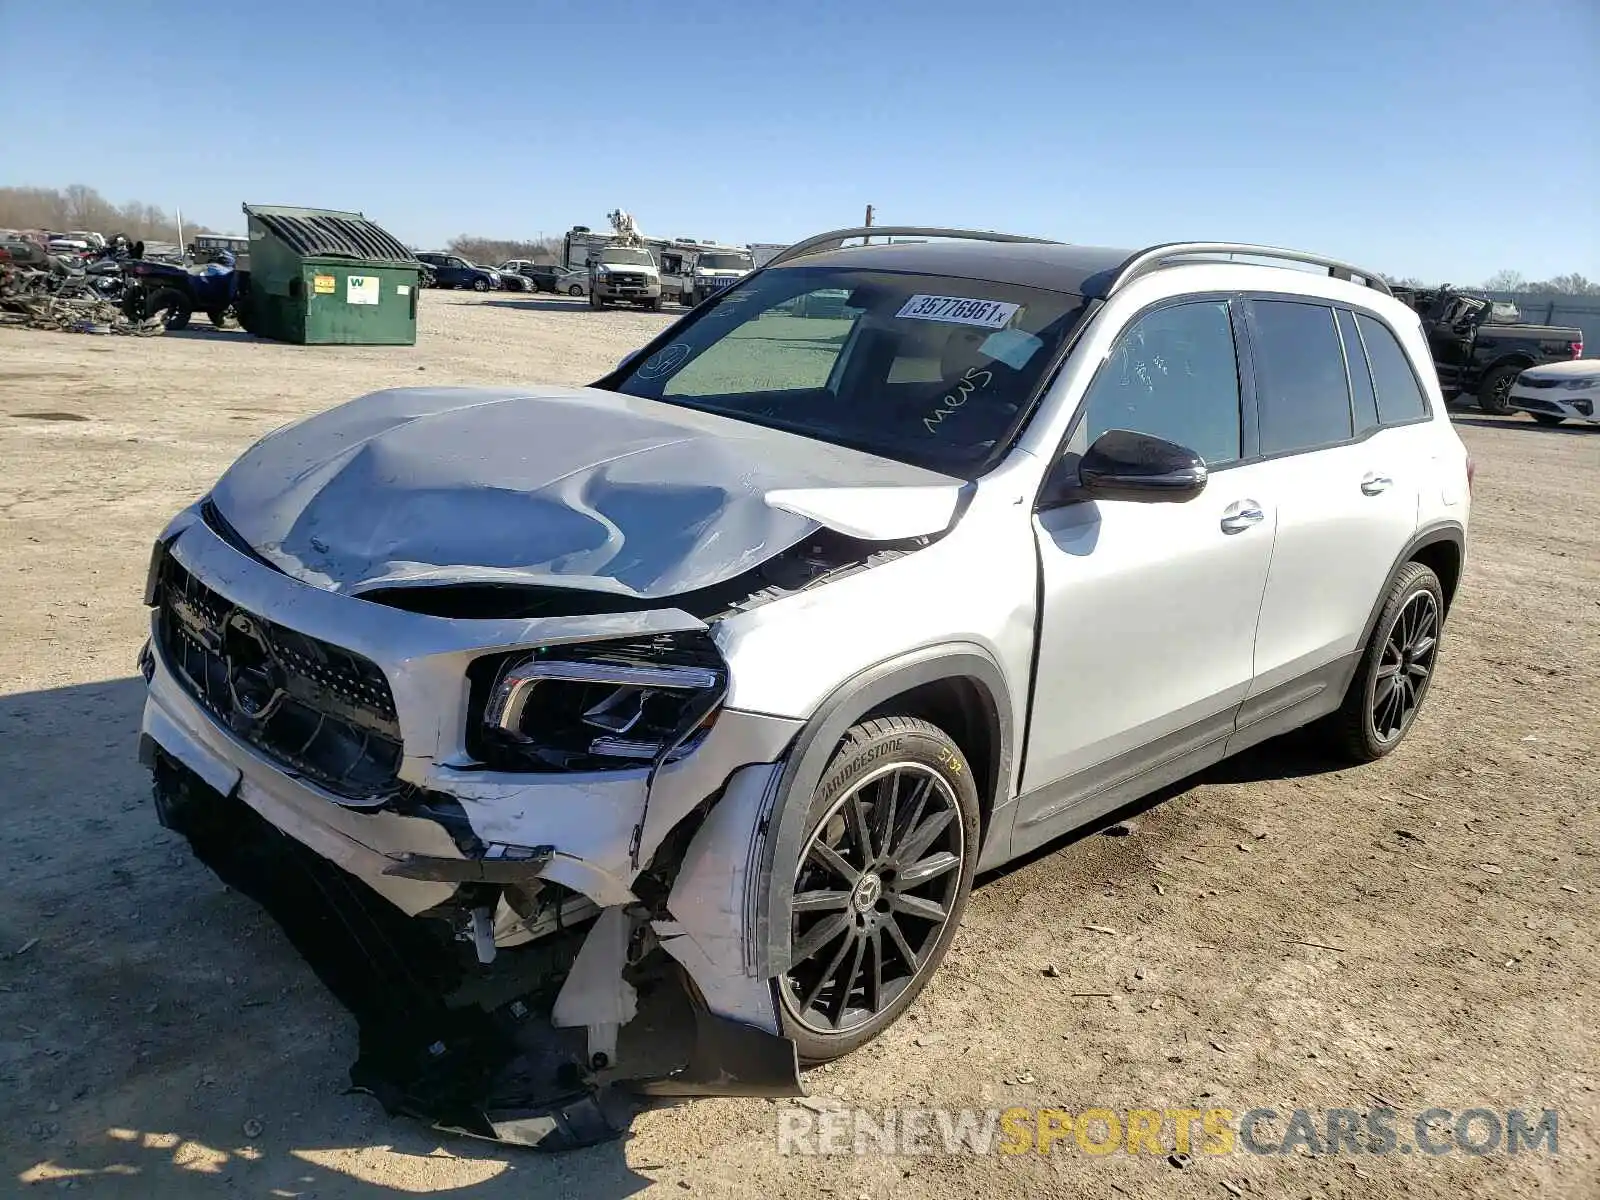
column 1082, row 270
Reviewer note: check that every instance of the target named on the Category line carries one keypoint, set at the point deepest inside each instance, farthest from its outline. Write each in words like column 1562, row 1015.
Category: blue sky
column 1439, row 138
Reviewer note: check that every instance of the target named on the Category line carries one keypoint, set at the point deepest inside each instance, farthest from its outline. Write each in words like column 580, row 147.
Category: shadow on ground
column 158, row 1035
column 1524, row 424
column 543, row 303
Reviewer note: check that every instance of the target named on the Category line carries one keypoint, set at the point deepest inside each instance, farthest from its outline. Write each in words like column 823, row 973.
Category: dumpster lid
column 321, row 232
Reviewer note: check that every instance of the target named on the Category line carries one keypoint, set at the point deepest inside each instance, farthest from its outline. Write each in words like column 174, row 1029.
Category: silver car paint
column 569, row 487
column 977, row 585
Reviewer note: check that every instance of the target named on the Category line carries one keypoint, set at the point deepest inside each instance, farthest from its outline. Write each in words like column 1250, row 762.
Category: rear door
column 1345, row 489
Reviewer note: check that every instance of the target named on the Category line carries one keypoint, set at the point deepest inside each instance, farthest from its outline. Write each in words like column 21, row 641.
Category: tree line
column 1563, row 285
column 491, row 252
column 79, row 206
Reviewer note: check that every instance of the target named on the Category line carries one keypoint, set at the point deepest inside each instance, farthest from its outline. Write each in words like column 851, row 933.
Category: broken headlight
column 601, row 705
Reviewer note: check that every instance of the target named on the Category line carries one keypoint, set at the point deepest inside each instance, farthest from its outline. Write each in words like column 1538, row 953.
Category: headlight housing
column 598, row 706
column 1577, row 385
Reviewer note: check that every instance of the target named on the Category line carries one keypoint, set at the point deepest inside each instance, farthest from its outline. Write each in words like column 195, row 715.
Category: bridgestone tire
column 870, row 751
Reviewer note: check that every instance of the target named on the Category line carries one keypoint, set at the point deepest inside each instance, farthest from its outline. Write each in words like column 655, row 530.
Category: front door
column 1450, row 342
column 1148, row 610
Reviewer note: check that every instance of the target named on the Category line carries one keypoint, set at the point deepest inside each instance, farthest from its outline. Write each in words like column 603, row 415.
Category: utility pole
column 868, row 224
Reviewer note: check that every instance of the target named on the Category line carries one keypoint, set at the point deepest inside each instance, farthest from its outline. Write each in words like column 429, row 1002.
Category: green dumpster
column 319, row 277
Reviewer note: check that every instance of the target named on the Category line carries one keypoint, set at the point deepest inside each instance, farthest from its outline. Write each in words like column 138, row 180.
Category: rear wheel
column 890, row 852
column 1494, row 393
column 218, row 317
column 1396, row 668
column 575, row 290
column 1547, row 418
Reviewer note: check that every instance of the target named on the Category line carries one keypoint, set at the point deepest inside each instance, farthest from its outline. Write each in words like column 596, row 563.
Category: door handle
column 1373, row 483
column 1240, row 515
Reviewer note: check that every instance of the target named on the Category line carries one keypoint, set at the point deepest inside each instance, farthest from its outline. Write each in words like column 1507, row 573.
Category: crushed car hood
column 568, row 487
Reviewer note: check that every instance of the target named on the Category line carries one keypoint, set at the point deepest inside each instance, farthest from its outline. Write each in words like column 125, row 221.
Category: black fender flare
column 813, row 749
column 1431, row 535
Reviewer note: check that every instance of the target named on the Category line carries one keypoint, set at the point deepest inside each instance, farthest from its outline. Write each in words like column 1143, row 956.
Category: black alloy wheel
column 881, row 884
column 1405, row 666
column 1396, row 668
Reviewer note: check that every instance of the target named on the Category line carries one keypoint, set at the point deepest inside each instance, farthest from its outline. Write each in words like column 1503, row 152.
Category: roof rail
column 824, row 242
column 1156, row 257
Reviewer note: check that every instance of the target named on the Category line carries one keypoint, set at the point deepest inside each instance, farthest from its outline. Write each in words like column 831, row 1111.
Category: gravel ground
column 1417, row 933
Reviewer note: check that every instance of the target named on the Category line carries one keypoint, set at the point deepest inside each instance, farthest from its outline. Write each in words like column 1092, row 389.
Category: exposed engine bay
column 499, row 1050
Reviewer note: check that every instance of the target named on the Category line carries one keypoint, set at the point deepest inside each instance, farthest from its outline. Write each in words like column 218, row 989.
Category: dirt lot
column 1421, row 933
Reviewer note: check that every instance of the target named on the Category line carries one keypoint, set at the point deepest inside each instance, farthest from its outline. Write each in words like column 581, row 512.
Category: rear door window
column 1302, row 391
column 1400, row 397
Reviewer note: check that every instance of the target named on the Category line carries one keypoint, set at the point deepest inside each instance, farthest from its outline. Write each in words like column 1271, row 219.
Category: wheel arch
column 1521, row 360
column 1442, row 548
column 959, row 683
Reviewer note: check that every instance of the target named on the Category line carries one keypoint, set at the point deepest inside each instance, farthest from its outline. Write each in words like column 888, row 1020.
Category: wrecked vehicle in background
column 647, row 737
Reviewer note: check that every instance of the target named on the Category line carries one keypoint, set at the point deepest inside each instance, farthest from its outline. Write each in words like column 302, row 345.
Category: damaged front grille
column 322, row 711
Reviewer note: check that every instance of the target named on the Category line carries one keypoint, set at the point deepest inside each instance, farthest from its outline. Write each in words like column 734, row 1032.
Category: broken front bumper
column 646, row 888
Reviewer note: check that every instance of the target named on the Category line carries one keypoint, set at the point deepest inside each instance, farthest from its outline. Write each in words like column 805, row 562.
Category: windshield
column 724, row 262
column 938, row 372
column 626, row 255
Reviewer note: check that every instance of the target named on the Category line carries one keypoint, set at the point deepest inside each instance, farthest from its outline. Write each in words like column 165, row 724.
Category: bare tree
column 79, row 206
column 1567, row 285
column 1505, row 281
column 492, row 251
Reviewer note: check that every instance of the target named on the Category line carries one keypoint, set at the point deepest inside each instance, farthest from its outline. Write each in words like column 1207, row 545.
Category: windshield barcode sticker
column 957, row 310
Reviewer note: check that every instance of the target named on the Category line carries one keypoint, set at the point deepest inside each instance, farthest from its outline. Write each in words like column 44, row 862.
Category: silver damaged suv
column 646, row 737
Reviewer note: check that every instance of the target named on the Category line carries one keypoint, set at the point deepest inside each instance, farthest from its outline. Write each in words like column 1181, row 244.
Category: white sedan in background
column 1559, row 392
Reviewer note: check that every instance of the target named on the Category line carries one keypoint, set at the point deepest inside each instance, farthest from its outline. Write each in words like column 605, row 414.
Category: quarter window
column 1302, row 391
column 1399, row 397
column 1173, row 374
column 1364, row 401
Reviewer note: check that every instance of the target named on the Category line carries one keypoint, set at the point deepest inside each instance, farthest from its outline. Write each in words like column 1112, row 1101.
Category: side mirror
column 1122, row 465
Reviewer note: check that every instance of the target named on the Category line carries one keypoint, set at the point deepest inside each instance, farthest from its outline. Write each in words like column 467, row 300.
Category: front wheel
column 574, row 290
column 1494, row 393
column 173, row 307
column 480, row 285
column 218, row 317
column 1547, row 418
column 1395, row 671
column 890, row 852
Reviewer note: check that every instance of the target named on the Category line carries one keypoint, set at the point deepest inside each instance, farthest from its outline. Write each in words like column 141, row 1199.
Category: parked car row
column 517, row 275
column 453, row 271
column 548, row 277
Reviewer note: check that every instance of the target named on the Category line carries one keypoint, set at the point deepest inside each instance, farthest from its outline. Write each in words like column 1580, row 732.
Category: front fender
column 815, row 746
